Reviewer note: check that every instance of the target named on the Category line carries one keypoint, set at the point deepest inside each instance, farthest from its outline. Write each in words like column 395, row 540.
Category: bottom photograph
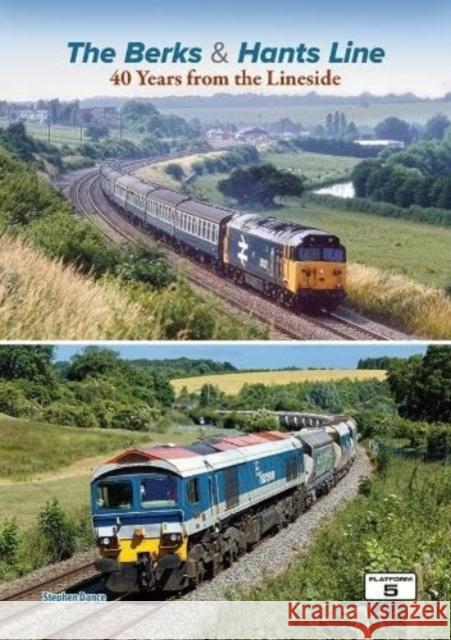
column 171, row 491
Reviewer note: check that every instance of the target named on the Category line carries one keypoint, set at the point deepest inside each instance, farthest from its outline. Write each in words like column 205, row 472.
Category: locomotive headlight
column 105, row 541
column 171, row 539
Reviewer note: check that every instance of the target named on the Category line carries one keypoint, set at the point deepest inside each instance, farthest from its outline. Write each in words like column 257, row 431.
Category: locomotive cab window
column 158, row 491
column 326, row 254
column 192, row 491
column 114, row 495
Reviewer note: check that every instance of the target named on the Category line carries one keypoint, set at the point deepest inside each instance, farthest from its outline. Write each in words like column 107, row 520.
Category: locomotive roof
column 314, row 439
column 204, row 210
column 203, row 455
column 284, row 231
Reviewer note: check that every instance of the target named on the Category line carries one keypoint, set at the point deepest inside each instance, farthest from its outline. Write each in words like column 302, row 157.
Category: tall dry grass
column 412, row 306
column 43, row 299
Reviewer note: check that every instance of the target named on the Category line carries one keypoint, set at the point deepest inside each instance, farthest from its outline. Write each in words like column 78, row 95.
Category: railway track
column 284, row 323
column 79, row 576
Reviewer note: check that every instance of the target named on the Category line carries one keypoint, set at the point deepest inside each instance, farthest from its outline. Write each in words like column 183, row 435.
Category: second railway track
column 284, row 323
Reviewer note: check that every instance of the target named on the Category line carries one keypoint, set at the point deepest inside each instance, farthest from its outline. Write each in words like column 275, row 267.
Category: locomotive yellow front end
column 315, row 272
column 138, row 523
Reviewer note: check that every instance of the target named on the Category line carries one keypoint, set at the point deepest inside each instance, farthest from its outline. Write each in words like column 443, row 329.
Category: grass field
column 30, row 449
column 313, row 114
column 315, row 167
column 41, row 461
column 231, row 383
column 60, row 134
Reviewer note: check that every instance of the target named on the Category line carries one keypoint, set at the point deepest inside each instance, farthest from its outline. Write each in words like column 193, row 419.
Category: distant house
column 39, row 116
column 108, row 116
column 252, row 134
column 217, row 134
column 381, row 143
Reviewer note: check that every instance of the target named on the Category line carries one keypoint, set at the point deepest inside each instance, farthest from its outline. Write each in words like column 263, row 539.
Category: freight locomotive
column 296, row 265
column 166, row 517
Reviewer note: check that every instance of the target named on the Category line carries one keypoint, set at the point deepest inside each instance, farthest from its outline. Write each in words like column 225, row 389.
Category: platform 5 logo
column 369, row 617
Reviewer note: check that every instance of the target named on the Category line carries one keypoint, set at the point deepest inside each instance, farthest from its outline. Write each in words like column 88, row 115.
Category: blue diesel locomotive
column 165, row 517
column 294, row 264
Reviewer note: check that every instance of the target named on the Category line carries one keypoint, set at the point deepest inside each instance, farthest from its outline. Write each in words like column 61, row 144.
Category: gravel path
column 277, row 553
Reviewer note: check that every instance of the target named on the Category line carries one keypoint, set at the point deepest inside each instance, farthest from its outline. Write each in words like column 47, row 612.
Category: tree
column 260, row 185
column 92, row 361
column 431, row 393
column 28, row 362
column 422, row 386
column 436, row 126
column 393, row 129
column 97, row 131
column 210, row 395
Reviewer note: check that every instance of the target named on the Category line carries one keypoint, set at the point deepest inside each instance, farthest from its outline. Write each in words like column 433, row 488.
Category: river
column 339, row 189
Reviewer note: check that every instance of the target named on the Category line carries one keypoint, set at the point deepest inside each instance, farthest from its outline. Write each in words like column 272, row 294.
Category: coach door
column 214, row 499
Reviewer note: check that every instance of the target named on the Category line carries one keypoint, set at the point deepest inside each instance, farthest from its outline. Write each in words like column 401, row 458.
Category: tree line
column 419, row 175
column 96, row 388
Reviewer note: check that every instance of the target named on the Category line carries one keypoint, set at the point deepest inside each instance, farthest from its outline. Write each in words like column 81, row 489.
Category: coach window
column 192, row 491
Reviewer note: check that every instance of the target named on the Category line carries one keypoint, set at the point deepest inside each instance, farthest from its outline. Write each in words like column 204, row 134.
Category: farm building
column 253, row 134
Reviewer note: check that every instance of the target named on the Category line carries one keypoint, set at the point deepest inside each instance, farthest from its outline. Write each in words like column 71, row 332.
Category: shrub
column 175, row 170
column 14, row 402
column 59, row 531
column 137, row 418
column 76, row 415
column 9, row 541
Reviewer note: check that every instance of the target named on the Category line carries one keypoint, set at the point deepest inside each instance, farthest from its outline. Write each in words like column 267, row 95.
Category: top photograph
column 225, row 171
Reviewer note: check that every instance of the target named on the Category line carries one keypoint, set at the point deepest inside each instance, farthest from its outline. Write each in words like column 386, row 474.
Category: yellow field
column 231, row 383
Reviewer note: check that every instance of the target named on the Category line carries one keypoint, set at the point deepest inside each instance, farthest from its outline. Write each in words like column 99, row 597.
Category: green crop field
column 231, row 383
column 309, row 115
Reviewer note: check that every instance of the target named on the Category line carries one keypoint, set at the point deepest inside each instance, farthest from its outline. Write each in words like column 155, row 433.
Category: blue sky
column 33, row 43
column 264, row 356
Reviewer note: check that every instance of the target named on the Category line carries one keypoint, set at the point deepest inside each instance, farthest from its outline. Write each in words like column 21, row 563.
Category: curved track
column 284, row 323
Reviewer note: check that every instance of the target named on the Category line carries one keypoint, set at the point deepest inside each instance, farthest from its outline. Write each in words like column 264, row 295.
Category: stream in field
column 339, row 189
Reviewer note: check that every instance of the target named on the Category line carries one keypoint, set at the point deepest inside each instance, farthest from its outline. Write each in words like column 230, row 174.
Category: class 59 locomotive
column 165, row 517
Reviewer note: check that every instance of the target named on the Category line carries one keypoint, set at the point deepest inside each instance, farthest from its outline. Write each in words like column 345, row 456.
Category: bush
column 138, row 418
column 175, row 170
column 59, row 531
column 67, row 414
column 9, row 541
column 14, row 402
